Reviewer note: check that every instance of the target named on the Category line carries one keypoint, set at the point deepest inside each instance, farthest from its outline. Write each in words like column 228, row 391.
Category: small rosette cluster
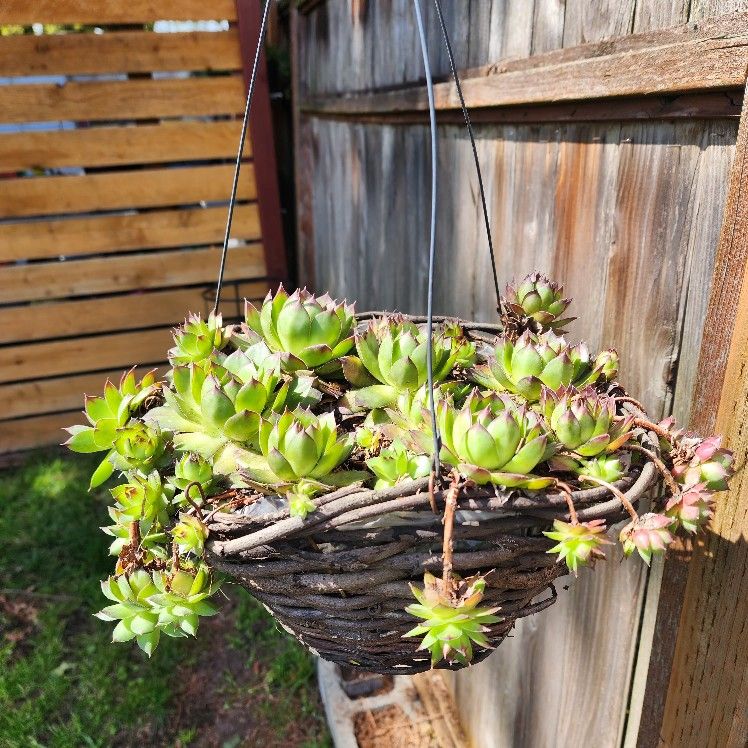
column 533, row 361
column 308, row 331
column 536, row 302
column 453, row 621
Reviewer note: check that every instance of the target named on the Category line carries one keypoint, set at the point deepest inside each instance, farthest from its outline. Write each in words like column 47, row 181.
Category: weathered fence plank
column 25, row 433
column 706, row 700
column 142, row 188
column 119, row 52
column 60, row 357
column 714, row 55
column 53, row 395
column 156, row 229
column 117, row 146
column 126, row 99
column 52, row 280
column 58, row 319
column 111, row 12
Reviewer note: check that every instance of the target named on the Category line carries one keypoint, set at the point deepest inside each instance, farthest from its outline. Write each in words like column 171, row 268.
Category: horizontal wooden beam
column 153, row 229
column 117, row 190
column 130, row 272
column 121, row 350
column 119, row 146
column 25, row 13
column 37, row 431
column 122, row 100
column 44, row 396
column 118, row 52
column 670, row 62
column 712, row 105
column 124, row 311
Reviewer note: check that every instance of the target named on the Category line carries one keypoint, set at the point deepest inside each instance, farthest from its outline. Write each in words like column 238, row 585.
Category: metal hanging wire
column 238, row 165
column 476, row 161
column 432, row 240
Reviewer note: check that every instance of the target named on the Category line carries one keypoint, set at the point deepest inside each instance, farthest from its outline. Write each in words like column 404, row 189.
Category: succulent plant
column 698, row 460
column 149, row 604
column 313, row 331
column 300, row 496
column 584, row 421
column 106, row 415
column 578, row 543
column 539, row 300
column 143, row 497
column 205, row 413
column 605, row 467
column 137, row 446
column 410, row 410
column 453, row 620
column 606, row 366
column 191, row 468
column 534, row 361
column 392, row 356
column 197, row 339
column 300, row 445
column 190, row 535
column 465, row 350
column 135, row 616
column 648, row 535
column 153, row 540
column 501, row 448
column 692, row 508
column 182, row 598
column 395, row 463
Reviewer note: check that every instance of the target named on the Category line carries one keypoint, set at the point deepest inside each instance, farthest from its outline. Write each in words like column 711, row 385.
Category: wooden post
column 720, row 330
column 249, row 14
column 707, row 694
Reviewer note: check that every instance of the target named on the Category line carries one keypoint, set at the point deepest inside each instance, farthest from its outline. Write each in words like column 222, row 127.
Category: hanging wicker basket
column 339, row 579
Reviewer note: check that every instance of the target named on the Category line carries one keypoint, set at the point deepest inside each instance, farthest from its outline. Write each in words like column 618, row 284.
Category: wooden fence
column 607, row 133
column 117, row 145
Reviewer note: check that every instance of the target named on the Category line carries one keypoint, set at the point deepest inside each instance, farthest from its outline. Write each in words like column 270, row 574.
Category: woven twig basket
column 338, row 580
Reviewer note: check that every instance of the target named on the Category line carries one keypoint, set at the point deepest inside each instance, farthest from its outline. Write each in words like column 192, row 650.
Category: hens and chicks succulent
column 301, row 398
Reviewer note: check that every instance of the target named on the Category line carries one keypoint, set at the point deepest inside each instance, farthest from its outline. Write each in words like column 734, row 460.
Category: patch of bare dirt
column 224, row 700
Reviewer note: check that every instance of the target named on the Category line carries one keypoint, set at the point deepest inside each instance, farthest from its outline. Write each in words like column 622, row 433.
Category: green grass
column 63, row 683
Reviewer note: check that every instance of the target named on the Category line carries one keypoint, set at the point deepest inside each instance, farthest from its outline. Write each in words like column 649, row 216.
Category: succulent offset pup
column 452, row 619
column 537, row 303
column 299, row 400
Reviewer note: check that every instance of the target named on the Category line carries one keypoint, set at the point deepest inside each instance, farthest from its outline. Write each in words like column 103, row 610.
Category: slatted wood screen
column 117, row 143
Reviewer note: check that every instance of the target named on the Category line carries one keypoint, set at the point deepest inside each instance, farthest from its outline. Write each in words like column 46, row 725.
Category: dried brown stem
column 658, row 463
column 643, row 423
column 618, row 494
column 627, row 399
column 449, row 518
column 134, row 533
column 432, row 500
column 566, row 491
column 197, row 509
